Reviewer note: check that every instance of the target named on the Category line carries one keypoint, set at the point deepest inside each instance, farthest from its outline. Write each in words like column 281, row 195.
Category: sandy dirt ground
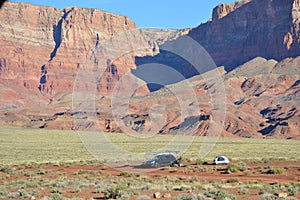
column 211, row 174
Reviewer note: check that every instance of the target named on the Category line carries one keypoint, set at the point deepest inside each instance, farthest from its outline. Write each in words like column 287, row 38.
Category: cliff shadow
column 165, row 68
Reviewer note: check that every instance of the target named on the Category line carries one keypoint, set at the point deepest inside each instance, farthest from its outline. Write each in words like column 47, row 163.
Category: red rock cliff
column 43, row 47
column 247, row 29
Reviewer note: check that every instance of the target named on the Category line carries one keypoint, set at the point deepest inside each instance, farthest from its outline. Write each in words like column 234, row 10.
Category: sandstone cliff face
column 224, row 9
column 26, row 42
column 43, row 47
column 244, row 30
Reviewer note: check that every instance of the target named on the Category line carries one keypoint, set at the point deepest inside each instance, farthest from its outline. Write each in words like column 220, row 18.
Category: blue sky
column 147, row 13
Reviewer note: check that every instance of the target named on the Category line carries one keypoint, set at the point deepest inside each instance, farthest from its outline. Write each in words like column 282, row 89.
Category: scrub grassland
column 38, row 145
column 54, row 164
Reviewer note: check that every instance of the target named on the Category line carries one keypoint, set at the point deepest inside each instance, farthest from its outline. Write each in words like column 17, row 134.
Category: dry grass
column 37, row 145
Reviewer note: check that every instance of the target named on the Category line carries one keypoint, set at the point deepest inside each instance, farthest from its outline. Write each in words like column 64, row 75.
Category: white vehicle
column 221, row 160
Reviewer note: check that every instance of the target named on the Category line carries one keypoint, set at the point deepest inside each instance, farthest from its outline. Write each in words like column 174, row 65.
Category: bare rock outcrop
column 43, row 47
column 251, row 28
column 223, row 9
